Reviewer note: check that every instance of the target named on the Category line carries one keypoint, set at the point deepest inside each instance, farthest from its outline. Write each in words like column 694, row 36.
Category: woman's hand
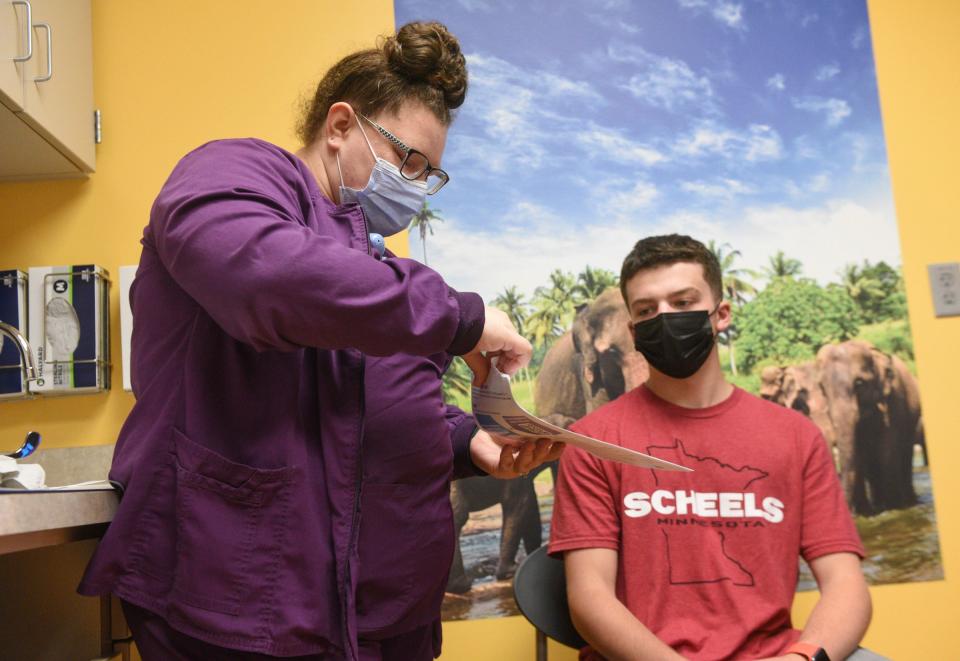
column 499, row 339
column 505, row 459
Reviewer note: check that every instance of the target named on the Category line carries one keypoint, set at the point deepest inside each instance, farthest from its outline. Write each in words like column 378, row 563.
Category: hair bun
column 428, row 53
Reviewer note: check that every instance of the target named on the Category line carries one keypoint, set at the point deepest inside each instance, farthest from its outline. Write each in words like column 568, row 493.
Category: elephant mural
column 557, row 397
column 598, row 365
column 798, row 387
column 520, row 521
column 874, row 405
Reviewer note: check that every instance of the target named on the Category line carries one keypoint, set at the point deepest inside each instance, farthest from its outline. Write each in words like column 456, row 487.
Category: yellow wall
column 170, row 75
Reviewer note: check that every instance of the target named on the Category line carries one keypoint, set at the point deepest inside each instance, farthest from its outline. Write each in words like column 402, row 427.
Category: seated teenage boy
column 703, row 564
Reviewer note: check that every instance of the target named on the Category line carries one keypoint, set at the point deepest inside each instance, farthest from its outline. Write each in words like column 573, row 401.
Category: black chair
column 540, row 589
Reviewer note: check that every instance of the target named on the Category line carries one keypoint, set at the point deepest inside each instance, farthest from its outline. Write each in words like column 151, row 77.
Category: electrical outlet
column 945, row 283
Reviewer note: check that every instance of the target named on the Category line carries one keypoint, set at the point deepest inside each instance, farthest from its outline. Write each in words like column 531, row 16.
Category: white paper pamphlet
column 497, row 412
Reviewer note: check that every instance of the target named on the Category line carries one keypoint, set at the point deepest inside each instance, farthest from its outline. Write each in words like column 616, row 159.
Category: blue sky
column 591, row 124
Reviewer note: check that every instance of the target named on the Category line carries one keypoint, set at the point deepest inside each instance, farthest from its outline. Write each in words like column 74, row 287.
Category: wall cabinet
column 46, row 89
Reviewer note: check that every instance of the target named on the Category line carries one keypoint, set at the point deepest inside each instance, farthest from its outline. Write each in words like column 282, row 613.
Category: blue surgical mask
column 389, row 200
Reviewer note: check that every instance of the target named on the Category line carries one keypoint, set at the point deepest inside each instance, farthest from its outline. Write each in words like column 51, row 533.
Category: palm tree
column 782, row 266
column 735, row 288
column 591, row 283
column 457, row 382
column 424, row 222
column 553, row 307
column 860, row 286
column 512, row 302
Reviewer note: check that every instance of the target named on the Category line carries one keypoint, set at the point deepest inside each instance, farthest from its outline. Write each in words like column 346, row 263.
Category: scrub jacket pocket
column 225, row 535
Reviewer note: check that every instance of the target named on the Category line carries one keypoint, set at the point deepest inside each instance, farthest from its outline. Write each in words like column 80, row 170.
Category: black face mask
column 675, row 343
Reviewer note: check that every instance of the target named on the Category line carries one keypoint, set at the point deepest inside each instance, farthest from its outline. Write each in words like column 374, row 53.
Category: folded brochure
column 497, row 412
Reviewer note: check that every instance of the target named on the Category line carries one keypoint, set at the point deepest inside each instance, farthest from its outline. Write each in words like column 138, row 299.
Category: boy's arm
column 841, row 616
column 600, row 617
column 831, row 546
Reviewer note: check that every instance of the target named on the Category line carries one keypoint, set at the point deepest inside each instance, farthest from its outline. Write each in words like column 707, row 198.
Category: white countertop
column 33, row 519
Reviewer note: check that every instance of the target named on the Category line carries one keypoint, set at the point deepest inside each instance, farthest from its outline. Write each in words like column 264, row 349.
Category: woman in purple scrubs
column 286, row 466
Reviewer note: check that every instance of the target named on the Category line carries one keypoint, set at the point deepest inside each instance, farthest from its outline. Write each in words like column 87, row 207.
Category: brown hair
column 669, row 249
column 422, row 62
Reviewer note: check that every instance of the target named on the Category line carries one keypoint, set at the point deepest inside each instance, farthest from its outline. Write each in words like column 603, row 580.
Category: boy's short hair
column 667, row 249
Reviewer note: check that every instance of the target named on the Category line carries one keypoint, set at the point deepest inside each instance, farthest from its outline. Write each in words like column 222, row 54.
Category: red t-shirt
column 708, row 560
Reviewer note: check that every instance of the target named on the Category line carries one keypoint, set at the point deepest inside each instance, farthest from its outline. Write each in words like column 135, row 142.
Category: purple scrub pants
column 157, row 641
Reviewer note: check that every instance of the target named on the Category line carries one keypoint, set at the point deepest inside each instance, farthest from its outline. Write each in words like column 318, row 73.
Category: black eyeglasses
column 414, row 165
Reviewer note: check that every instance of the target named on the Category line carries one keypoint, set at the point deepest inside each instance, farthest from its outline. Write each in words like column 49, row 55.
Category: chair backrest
column 540, row 589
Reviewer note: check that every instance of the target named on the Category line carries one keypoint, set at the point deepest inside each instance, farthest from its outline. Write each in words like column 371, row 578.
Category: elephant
column 901, row 395
column 557, row 396
column 874, row 405
column 798, row 387
column 597, row 365
column 520, row 521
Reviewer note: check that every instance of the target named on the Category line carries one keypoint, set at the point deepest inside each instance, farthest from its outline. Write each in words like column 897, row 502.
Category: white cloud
column 728, row 13
column 486, row 262
column 524, row 256
column 627, row 204
column 804, row 147
column 758, row 143
column 668, row 84
column 493, row 72
column 762, row 144
column 820, row 183
column 809, row 19
column 514, row 107
column 705, row 139
column 426, row 8
column 823, row 237
column 555, row 85
column 826, row 72
column 613, row 23
column 526, row 119
column 662, row 82
column 859, row 37
column 777, row 82
column 722, row 189
column 613, row 145
column 609, row 5
column 475, row 5
column 531, row 217
column 834, row 110
column 861, row 147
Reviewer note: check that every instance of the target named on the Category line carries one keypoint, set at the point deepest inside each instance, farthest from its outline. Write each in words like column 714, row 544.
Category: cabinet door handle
column 49, row 75
column 29, row 54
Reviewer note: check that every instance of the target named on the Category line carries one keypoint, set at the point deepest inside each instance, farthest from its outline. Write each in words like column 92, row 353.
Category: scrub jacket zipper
column 354, row 524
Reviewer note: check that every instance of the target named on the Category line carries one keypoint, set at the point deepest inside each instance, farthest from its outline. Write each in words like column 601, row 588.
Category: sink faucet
column 28, row 365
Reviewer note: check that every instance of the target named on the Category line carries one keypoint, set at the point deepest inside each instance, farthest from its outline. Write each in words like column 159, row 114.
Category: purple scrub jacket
column 255, row 301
